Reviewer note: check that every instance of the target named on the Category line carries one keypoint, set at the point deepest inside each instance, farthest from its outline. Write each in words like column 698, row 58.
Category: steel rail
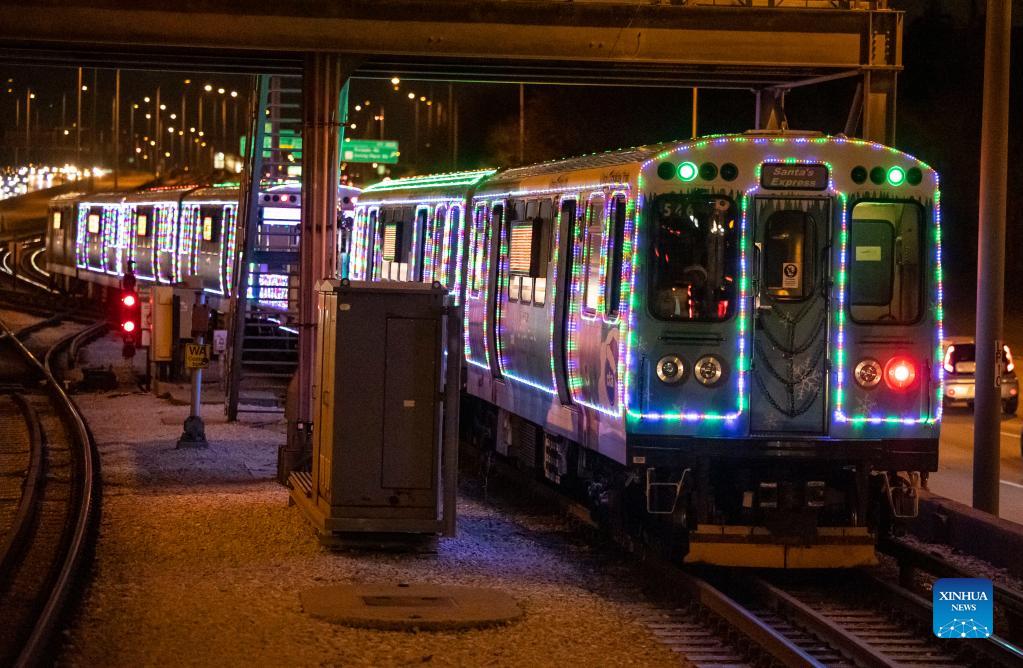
column 911, row 558
column 28, row 504
column 84, row 504
column 995, row 648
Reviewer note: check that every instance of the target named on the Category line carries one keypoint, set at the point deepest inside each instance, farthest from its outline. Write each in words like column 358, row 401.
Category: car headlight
column 708, row 370
column 868, row 373
column 671, row 369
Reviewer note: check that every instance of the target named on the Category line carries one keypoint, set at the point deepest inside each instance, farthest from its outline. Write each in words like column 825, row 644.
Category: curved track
column 47, row 539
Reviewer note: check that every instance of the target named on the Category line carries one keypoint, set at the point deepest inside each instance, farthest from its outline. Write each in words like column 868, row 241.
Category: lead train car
column 734, row 339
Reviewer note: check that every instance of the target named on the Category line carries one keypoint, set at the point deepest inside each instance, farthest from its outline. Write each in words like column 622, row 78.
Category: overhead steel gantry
column 767, row 46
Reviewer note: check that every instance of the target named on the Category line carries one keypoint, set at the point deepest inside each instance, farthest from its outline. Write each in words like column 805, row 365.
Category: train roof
column 66, row 198
column 452, row 184
column 494, row 180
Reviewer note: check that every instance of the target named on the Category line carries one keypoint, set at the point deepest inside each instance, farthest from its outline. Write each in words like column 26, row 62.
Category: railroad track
column 715, row 617
column 50, row 502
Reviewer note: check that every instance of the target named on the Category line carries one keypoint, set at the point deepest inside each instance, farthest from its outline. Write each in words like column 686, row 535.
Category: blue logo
column 963, row 608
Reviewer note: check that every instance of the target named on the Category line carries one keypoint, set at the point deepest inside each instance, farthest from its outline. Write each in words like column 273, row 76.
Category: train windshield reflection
column 694, row 258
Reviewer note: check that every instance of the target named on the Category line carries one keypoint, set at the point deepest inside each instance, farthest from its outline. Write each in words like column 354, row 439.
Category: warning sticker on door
column 790, row 275
column 868, row 253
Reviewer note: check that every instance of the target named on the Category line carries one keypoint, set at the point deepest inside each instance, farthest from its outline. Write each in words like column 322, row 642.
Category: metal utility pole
column 78, row 123
column 522, row 123
column 28, row 123
column 117, row 127
column 323, row 93
column 695, row 97
column 994, row 161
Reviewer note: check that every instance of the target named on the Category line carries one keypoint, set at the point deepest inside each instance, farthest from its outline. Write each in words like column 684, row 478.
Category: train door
column 476, row 352
column 494, row 263
column 792, row 237
column 563, row 297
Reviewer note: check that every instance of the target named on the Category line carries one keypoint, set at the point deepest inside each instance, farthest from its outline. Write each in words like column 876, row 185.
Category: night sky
column 939, row 105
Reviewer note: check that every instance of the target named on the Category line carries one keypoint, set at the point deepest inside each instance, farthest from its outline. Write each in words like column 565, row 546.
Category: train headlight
column 868, row 373
column 671, row 369
column 708, row 370
column 899, row 373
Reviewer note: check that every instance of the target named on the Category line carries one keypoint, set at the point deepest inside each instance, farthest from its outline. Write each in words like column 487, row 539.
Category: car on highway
column 960, row 364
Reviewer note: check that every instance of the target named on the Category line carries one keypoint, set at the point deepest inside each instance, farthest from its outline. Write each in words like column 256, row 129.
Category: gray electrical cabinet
column 385, row 410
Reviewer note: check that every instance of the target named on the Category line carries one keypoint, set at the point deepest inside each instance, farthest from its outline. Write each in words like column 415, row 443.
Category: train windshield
column 694, row 258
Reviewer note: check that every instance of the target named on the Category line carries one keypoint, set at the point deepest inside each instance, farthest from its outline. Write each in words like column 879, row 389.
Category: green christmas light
column 687, row 171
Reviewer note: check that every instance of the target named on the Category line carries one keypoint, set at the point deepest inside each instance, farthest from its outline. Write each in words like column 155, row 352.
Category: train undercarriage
column 774, row 504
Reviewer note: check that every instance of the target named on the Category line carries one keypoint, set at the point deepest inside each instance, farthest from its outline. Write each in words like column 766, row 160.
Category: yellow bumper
column 834, row 547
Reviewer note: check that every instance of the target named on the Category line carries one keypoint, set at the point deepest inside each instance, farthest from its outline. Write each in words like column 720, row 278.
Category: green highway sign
column 369, row 150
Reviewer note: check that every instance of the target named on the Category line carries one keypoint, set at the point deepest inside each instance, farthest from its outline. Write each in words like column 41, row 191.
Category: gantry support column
column 323, row 78
column 883, row 46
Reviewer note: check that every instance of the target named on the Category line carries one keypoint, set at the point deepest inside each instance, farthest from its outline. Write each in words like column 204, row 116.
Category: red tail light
column 899, row 373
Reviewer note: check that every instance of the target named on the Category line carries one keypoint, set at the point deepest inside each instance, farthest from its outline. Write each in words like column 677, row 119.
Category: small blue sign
column 963, row 608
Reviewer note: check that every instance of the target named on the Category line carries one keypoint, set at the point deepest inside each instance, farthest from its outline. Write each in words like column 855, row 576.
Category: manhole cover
column 407, row 606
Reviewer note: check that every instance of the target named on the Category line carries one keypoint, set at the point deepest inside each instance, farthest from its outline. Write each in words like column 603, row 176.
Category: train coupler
column 662, row 496
column 904, row 495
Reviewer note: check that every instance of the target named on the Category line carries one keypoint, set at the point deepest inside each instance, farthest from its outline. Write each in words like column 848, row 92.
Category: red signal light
column 899, row 373
column 128, row 326
column 128, row 299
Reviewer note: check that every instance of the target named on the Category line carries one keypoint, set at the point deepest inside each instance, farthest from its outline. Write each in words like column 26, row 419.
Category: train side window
column 421, row 232
column 886, row 262
column 56, row 220
column 142, row 225
column 591, row 262
column 93, row 223
column 210, row 228
column 436, row 240
column 480, row 238
column 614, row 269
column 789, row 243
column 451, row 251
column 524, row 257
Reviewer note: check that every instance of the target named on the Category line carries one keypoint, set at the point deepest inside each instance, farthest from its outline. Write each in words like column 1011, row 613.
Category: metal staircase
column 265, row 350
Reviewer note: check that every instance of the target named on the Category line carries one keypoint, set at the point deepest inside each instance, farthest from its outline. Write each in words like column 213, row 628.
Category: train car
column 733, row 343
column 61, row 236
column 173, row 233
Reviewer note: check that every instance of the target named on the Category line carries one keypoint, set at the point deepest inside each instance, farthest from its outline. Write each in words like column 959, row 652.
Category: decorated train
column 174, row 235
column 730, row 343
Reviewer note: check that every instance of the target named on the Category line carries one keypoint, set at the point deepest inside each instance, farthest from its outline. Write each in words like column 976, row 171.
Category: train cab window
column 56, row 220
column 142, row 225
column 694, row 263
column 614, row 269
column 885, row 262
column 591, row 262
column 788, row 255
column 92, row 223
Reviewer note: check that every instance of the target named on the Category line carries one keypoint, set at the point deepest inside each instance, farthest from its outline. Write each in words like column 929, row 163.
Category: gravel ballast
column 200, row 561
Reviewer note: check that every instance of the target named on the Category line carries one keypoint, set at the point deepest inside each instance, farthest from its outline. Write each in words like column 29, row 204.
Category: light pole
column 29, row 96
column 994, row 162
column 78, row 123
